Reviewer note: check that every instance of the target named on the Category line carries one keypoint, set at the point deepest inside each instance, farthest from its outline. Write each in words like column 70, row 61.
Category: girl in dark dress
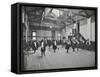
column 34, row 46
column 54, row 45
column 73, row 44
column 67, row 45
column 49, row 44
column 43, row 48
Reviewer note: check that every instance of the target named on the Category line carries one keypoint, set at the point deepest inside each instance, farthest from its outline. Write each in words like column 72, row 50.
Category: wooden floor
column 60, row 59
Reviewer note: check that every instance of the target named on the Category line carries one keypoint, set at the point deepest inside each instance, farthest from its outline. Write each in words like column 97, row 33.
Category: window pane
column 33, row 33
column 34, row 38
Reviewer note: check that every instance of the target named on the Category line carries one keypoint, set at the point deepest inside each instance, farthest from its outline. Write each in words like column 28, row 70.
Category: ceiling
column 54, row 18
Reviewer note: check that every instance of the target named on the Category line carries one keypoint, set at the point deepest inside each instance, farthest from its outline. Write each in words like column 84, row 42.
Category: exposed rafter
column 38, row 16
column 43, row 28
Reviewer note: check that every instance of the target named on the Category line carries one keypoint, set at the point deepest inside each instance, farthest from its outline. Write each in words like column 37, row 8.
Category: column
column 89, row 27
column 53, row 34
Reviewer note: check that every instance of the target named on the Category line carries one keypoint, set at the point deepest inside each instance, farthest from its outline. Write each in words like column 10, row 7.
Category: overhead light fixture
column 50, row 26
column 59, row 34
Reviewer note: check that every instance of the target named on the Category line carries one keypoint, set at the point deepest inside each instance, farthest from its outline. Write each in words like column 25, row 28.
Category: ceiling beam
column 72, row 23
column 43, row 28
column 86, row 13
column 51, row 10
column 79, row 14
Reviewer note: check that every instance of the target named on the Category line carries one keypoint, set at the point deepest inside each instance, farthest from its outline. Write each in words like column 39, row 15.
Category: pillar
column 89, row 27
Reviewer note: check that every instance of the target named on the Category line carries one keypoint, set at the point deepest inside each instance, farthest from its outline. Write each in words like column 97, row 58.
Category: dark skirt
column 54, row 47
column 67, row 46
column 43, row 49
column 34, row 48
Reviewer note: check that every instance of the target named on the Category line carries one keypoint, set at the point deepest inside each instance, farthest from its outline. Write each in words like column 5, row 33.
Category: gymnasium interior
column 54, row 38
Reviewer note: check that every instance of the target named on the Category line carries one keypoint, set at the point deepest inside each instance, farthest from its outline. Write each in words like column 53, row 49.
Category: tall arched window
column 33, row 35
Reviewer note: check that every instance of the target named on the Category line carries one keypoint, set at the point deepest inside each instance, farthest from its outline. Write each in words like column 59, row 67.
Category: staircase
column 82, row 42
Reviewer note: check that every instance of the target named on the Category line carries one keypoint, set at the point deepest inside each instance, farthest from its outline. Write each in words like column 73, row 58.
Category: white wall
column 5, row 40
column 86, row 32
column 43, row 33
column 56, row 35
column 92, row 32
column 66, row 33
